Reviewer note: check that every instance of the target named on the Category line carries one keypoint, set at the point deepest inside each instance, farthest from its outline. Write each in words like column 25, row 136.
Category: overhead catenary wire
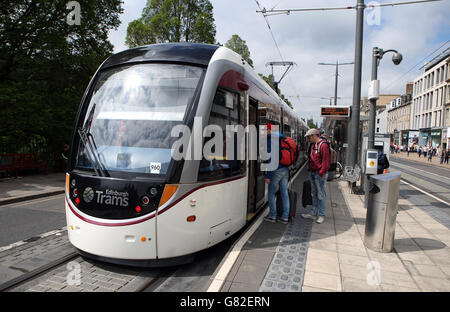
column 391, row 84
column 276, row 44
column 288, row 11
column 273, row 11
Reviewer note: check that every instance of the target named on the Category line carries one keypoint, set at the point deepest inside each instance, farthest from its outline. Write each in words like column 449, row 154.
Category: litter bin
column 382, row 211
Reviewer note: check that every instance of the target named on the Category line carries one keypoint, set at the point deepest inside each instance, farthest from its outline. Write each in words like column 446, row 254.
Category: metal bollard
column 382, row 212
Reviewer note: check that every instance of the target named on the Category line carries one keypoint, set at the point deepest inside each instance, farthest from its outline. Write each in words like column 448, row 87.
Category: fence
column 38, row 145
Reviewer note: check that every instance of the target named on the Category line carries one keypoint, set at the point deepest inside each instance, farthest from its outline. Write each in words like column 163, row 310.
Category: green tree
column 238, row 45
column 46, row 64
column 173, row 21
column 311, row 123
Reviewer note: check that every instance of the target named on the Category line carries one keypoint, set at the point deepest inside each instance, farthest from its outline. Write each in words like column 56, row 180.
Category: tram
column 128, row 199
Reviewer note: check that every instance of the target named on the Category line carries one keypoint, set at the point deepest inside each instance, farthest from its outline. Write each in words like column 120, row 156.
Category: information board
column 335, row 111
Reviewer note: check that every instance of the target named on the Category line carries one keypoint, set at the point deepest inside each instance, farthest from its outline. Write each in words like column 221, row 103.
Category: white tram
column 128, row 200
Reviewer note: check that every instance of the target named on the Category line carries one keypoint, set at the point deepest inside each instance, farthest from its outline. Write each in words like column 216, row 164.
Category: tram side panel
column 217, row 214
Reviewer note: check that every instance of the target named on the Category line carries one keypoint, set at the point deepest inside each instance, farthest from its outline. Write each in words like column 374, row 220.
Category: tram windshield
column 130, row 117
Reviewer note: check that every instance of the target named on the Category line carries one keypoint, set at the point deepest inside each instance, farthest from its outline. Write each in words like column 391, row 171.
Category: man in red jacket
column 319, row 163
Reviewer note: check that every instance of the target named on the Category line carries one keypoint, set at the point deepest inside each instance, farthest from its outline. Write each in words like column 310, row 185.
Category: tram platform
column 304, row 256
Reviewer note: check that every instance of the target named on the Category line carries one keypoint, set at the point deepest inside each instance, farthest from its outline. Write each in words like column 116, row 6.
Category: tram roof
column 194, row 53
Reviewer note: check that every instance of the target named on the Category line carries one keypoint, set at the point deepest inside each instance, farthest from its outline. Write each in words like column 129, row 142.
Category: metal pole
column 353, row 129
column 336, row 84
column 373, row 102
column 372, row 117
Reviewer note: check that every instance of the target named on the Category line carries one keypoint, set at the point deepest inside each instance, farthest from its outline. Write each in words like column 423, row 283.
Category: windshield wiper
column 91, row 148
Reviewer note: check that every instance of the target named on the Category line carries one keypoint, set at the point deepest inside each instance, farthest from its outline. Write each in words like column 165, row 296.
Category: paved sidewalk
column 336, row 258
column 415, row 157
column 420, row 260
column 31, row 187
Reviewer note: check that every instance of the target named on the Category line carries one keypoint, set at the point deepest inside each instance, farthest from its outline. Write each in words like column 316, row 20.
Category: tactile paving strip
column 287, row 270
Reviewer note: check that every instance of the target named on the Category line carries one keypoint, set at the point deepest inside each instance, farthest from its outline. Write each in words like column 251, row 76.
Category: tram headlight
column 145, row 201
column 153, row 191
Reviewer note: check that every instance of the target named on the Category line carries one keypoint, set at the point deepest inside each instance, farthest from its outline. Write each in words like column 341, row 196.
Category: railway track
column 58, row 274
column 47, row 275
column 29, row 276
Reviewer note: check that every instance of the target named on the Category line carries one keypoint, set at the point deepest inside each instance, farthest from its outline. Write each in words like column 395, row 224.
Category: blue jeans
column 318, row 193
column 279, row 179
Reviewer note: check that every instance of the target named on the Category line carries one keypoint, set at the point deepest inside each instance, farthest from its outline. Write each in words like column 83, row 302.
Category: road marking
column 227, row 265
column 220, row 277
column 426, row 193
column 296, row 175
column 34, row 201
column 427, row 172
column 23, row 242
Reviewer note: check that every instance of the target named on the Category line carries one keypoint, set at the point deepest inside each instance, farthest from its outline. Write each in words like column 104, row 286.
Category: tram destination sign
column 335, row 111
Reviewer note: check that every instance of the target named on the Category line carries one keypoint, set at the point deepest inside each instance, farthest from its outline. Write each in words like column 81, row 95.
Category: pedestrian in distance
column 442, row 156
column 383, row 162
column 277, row 179
column 430, row 154
column 65, row 156
column 447, row 156
column 319, row 163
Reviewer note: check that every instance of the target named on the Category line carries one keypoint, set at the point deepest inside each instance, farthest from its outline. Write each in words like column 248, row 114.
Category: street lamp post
column 377, row 55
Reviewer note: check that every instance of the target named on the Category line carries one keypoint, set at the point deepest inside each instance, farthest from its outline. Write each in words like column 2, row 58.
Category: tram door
column 256, row 183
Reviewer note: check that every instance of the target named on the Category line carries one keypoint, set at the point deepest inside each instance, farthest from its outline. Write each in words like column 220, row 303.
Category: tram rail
column 29, row 276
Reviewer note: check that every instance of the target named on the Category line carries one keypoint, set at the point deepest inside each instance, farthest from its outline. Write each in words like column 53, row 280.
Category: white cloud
column 307, row 38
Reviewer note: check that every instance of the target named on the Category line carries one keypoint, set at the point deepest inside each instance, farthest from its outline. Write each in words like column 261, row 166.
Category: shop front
column 445, row 138
column 436, row 135
column 396, row 137
column 425, row 137
column 405, row 137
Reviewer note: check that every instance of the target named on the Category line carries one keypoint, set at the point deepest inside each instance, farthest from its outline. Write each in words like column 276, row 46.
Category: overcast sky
column 307, row 38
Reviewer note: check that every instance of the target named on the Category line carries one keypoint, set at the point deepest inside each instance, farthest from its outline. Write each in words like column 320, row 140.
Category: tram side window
column 226, row 110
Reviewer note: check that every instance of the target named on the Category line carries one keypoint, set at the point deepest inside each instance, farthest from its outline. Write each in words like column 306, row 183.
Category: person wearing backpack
column 278, row 179
column 383, row 162
column 319, row 163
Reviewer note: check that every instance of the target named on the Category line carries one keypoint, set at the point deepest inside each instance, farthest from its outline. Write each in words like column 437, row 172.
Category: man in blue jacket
column 277, row 179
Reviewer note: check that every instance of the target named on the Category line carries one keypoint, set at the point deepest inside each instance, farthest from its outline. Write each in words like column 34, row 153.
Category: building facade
column 398, row 117
column 381, row 105
column 446, row 134
column 429, row 102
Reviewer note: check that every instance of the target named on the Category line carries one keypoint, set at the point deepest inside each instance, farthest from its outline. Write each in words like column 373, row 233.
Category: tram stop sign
column 335, row 111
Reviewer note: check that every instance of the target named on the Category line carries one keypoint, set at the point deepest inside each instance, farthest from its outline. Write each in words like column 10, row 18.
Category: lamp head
column 397, row 58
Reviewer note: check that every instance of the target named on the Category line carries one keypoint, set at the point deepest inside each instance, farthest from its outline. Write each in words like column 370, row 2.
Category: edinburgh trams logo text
column 111, row 197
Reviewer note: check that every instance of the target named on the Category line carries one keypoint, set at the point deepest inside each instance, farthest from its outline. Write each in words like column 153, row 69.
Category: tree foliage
column 238, row 45
column 173, row 21
column 312, row 124
column 271, row 82
column 46, row 64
